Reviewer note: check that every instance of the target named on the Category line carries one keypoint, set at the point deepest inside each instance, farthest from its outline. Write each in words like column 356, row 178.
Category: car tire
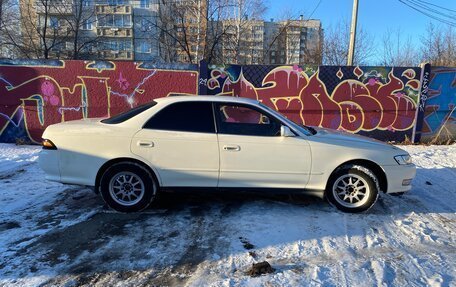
column 128, row 187
column 352, row 188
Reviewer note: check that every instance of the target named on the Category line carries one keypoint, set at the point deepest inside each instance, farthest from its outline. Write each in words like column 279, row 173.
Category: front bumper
column 49, row 163
column 399, row 177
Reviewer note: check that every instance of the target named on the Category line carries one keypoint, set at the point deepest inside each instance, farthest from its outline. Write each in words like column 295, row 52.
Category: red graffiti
column 353, row 105
column 79, row 89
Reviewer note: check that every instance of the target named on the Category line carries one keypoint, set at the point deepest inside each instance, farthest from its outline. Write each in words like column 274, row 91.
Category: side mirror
column 286, row 132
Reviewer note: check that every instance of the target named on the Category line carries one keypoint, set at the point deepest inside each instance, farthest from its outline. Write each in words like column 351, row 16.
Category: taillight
column 48, row 144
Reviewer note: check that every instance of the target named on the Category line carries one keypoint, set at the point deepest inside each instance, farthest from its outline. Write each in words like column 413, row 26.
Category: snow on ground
column 52, row 234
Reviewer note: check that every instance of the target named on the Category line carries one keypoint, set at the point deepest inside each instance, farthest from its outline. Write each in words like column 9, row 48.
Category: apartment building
column 169, row 31
column 183, row 27
column 243, row 42
column 94, row 29
column 268, row 42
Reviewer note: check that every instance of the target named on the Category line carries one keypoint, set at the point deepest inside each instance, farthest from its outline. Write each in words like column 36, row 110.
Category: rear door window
column 184, row 117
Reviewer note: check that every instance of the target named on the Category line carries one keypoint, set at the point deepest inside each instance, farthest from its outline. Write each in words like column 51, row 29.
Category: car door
column 254, row 154
column 181, row 144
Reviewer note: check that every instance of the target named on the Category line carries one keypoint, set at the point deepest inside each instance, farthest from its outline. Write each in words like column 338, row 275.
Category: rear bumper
column 49, row 163
column 399, row 177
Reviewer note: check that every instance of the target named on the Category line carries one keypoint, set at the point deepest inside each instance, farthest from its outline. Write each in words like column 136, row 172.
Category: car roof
column 205, row 98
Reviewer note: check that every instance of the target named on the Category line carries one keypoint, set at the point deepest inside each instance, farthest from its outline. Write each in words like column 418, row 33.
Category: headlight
column 403, row 159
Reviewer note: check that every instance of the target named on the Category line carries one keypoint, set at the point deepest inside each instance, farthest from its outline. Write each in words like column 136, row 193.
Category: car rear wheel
column 352, row 188
column 128, row 187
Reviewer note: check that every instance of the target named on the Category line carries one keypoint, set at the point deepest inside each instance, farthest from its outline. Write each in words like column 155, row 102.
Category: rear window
column 190, row 116
column 122, row 117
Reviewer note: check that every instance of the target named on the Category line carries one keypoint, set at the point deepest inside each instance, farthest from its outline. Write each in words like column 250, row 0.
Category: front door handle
column 145, row 144
column 231, row 148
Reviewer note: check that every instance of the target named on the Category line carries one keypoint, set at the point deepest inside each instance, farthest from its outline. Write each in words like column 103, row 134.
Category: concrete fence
column 387, row 103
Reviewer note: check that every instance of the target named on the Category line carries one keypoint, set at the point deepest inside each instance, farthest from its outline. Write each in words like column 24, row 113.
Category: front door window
column 243, row 120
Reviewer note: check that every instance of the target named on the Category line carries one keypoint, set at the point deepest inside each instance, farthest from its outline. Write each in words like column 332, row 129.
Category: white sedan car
column 222, row 143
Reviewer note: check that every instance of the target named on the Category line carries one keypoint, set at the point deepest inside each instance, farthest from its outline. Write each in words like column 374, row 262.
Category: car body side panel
column 276, row 162
column 395, row 175
column 181, row 158
column 82, row 148
column 330, row 153
column 304, row 161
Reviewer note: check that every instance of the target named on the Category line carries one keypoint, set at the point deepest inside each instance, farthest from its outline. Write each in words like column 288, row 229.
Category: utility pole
column 351, row 48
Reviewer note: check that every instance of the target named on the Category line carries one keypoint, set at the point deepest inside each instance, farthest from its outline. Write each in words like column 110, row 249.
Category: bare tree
column 217, row 31
column 240, row 27
column 398, row 50
column 314, row 55
column 79, row 25
column 182, row 28
column 192, row 30
column 9, row 32
column 335, row 45
column 42, row 28
column 439, row 46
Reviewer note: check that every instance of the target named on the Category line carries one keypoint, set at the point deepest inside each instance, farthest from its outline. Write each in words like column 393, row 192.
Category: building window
column 144, row 3
column 116, row 45
column 53, row 22
column 143, row 47
column 116, row 2
column 116, row 21
column 87, row 3
column 146, row 25
column 87, row 25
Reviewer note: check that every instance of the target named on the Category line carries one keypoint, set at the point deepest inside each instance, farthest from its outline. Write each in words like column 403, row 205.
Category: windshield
column 304, row 129
column 122, row 117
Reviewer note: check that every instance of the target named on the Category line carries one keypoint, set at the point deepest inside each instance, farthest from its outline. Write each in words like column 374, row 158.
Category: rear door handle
column 231, row 148
column 145, row 144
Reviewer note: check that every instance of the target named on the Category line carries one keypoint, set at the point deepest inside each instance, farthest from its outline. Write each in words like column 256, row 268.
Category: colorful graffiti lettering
column 355, row 99
column 35, row 96
column 440, row 114
column 387, row 103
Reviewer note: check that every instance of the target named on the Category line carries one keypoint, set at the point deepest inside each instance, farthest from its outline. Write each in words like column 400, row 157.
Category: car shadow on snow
column 166, row 242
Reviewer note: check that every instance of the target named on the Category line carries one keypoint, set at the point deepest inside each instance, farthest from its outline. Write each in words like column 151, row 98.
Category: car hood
column 330, row 134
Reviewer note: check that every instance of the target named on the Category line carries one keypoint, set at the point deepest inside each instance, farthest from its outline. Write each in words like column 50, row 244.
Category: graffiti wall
column 377, row 101
column 35, row 94
column 387, row 103
column 440, row 115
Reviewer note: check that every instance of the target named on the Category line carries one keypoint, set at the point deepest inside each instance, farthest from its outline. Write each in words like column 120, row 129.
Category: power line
column 315, row 9
column 430, row 15
column 430, row 12
column 435, row 5
column 427, row 8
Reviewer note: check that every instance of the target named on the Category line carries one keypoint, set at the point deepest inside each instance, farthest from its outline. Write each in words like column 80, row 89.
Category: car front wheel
column 128, row 187
column 352, row 188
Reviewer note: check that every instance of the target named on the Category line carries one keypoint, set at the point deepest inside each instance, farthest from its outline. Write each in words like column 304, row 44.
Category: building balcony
column 60, row 54
column 115, row 55
column 58, row 8
column 117, row 9
column 61, row 31
column 115, row 32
